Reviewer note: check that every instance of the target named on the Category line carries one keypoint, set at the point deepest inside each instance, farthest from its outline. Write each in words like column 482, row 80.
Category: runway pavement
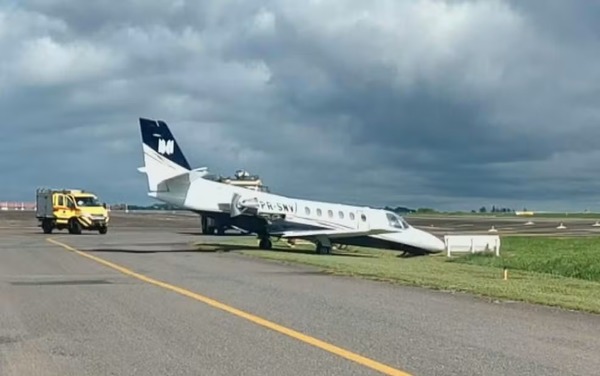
column 136, row 302
column 528, row 226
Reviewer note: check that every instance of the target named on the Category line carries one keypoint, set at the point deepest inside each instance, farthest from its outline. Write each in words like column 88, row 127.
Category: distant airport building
column 16, row 205
column 524, row 213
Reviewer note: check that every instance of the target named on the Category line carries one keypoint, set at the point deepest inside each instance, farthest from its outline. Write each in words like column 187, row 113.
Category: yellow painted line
column 364, row 361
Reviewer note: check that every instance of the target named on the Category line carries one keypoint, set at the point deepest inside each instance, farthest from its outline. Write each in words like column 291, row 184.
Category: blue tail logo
column 157, row 136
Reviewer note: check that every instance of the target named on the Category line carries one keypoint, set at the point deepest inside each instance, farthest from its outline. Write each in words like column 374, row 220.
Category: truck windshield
column 86, row 201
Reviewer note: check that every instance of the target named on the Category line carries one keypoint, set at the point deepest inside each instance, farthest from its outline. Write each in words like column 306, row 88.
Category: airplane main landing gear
column 265, row 243
column 211, row 226
column 323, row 248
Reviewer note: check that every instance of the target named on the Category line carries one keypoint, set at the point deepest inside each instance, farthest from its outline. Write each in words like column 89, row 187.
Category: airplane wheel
column 322, row 249
column 265, row 243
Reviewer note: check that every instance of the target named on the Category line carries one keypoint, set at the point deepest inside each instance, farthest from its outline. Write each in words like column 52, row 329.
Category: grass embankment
column 550, row 271
column 567, row 257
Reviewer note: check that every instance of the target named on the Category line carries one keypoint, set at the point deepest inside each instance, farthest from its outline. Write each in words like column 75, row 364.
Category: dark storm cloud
column 429, row 103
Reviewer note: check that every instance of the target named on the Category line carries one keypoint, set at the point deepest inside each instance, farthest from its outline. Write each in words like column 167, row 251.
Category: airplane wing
column 332, row 234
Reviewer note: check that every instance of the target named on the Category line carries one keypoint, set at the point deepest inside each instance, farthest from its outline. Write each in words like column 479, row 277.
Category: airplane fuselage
column 288, row 214
column 267, row 214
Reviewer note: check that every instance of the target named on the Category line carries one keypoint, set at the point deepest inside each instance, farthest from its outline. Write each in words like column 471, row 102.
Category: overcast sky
column 451, row 105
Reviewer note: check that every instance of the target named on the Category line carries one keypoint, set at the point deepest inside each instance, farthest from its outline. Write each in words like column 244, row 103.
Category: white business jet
column 172, row 180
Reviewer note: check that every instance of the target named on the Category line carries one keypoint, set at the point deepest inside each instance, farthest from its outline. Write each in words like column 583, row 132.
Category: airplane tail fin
column 163, row 158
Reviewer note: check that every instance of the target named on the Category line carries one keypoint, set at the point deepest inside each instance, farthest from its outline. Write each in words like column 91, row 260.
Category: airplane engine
column 240, row 205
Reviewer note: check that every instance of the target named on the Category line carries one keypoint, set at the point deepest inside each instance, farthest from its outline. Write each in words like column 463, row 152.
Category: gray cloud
column 450, row 104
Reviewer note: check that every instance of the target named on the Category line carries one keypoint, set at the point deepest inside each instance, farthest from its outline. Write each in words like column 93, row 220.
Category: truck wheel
column 47, row 226
column 75, row 227
column 103, row 230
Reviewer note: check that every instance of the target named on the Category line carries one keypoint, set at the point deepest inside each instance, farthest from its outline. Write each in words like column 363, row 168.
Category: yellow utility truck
column 71, row 209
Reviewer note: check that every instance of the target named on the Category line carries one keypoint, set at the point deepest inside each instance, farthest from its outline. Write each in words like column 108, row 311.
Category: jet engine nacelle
column 240, row 205
column 254, row 206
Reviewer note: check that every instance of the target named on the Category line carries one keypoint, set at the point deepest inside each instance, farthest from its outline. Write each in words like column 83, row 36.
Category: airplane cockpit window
column 404, row 223
column 396, row 221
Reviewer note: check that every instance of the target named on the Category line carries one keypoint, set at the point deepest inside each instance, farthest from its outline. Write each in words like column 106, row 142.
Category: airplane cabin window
column 330, row 213
column 307, row 210
column 319, row 212
column 341, row 214
column 363, row 217
column 352, row 216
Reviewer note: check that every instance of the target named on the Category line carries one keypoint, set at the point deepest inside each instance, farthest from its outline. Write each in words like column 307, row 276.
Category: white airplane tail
column 163, row 158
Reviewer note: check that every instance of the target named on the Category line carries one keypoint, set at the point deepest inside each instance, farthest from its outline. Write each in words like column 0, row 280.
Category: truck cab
column 71, row 209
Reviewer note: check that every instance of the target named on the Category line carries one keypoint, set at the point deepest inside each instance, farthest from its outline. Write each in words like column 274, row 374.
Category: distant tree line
column 494, row 209
column 399, row 209
column 404, row 210
column 483, row 209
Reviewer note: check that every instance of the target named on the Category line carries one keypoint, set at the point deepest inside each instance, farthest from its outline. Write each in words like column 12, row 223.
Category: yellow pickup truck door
column 69, row 207
column 60, row 208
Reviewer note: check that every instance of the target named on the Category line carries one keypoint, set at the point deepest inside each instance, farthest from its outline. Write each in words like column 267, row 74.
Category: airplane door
column 362, row 220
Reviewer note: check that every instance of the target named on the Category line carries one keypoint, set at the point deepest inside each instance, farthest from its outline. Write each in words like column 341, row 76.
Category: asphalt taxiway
column 141, row 300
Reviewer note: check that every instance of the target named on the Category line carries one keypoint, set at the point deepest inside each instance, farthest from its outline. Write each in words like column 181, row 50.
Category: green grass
column 567, row 257
column 549, row 271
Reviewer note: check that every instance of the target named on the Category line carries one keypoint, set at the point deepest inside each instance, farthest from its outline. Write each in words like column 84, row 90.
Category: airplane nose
column 432, row 242
column 437, row 245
